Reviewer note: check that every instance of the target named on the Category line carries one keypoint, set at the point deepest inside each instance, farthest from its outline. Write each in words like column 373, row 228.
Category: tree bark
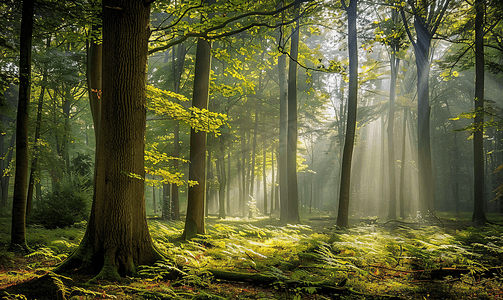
column 283, row 130
column 18, row 229
column 423, row 13
column 273, row 183
column 222, row 178
column 395, row 62
column 291, row 150
column 253, row 196
column 166, row 203
column 194, row 222
column 264, row 166
column 402, row 169
column 347, row 155
column 38, row 124
column 478, row 136
column 178, row 67
column 117, row 237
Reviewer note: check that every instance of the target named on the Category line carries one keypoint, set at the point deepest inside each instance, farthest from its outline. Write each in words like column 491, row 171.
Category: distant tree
column 18, row 229
column 427, row 19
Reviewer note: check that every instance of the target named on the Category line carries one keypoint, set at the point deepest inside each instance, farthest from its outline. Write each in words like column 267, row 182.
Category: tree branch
column 205, row 33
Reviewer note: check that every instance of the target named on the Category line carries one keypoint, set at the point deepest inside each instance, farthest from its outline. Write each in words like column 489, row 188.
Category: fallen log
column 266, row 279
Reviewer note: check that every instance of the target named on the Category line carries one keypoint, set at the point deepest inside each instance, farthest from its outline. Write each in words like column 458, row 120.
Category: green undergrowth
column 272, row 261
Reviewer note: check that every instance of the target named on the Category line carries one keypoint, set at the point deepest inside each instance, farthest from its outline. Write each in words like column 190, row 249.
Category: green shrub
column 63, row 207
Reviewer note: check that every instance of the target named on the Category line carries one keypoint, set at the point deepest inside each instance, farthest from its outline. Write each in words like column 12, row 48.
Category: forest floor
column 446, row 257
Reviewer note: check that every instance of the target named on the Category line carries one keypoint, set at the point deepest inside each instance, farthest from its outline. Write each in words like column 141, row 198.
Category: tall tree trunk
column 166, row 203
column 4, row 165
column 423, row 14
column 402, row 169
column 253, row 196
column 264, row 166
column 345, row 189
column 283, row 131
column 194, row 222
column 94, row 82
column 228, row 181
column 244, row 196
column 291, row 149
column 395, row 62
column 175, row 199
column 18, row 227
column 177, row 75
column 478, row 136
column 209, row 183
column 273, row 183
column 38, row 124
column 117, row 237
column 222, row 178
column 153, row 197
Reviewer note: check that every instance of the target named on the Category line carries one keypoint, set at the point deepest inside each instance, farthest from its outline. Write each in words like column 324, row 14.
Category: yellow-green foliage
column 199, row 119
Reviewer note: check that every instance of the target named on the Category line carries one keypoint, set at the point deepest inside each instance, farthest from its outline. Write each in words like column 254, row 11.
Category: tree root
column 46, row 287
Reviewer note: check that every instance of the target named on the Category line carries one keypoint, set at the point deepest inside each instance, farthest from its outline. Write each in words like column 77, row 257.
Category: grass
column 447, row 261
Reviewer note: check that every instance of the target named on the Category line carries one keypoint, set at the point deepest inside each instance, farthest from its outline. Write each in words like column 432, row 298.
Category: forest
column 218, row 149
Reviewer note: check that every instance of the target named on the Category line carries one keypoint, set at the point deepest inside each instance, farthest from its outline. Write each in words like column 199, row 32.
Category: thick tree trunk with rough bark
column 347, row 155
column 18, row 227
column 117, row 237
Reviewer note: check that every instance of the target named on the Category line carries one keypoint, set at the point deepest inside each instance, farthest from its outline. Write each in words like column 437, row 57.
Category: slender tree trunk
column 402, row 169
column 253, row 196
column 194, row 222
column 177, row 75
column 153, row 197
column 94, row 79
column 283, row 131
column 423, row 14
column 117, row 237
column 222, row 179
column 343, row 213
column 291, row 150
column 209, row 185
column 175, row 198
column 273, row 183
column 166, row 205
column 395, row 62
column 18, row 229
column 478, row 136
column 228, row 181
column 242, row 202
column 264, row 176
column 38, row 124
column 4, row 165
